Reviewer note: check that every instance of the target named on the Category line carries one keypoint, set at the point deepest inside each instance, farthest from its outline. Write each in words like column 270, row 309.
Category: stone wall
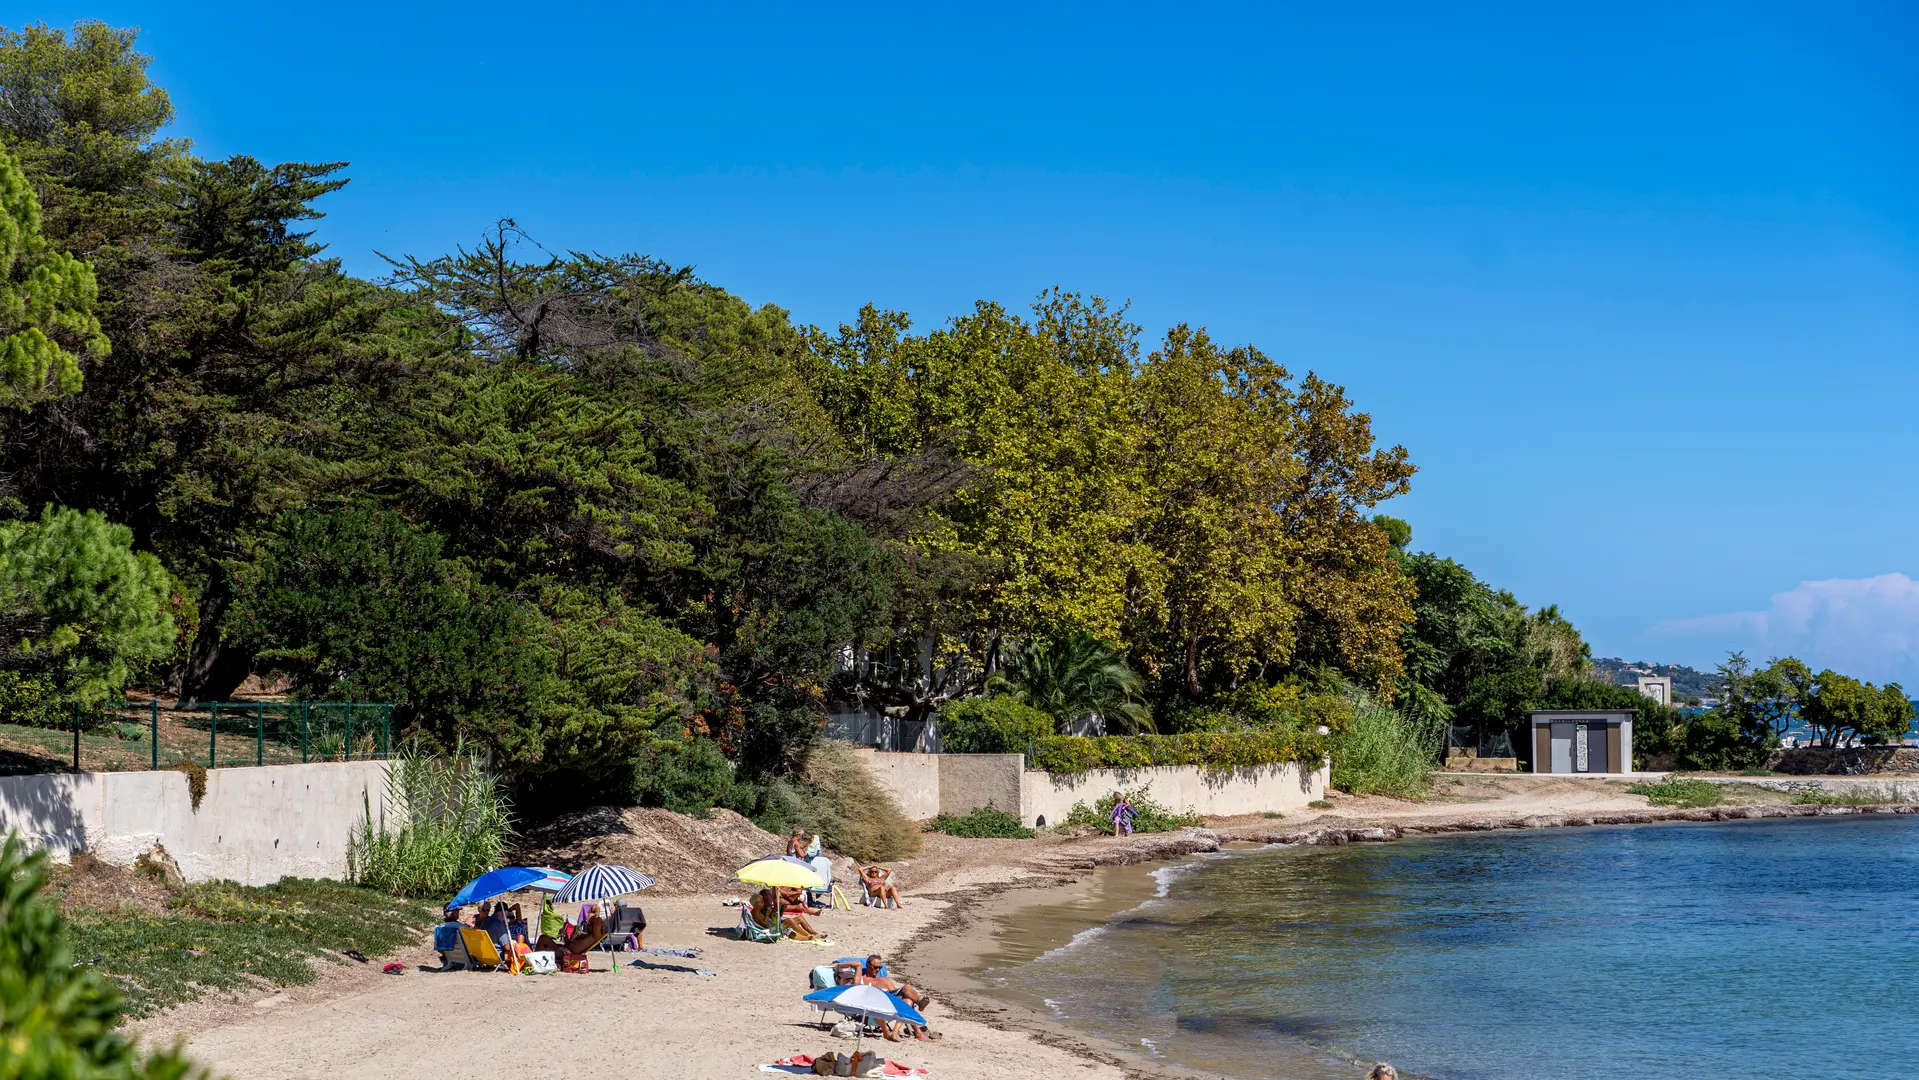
column 254, row 825
column 1814, row 760
column 929, row 784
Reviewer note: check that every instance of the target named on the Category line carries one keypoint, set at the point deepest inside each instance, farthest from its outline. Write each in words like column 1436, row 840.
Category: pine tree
column 46, row 302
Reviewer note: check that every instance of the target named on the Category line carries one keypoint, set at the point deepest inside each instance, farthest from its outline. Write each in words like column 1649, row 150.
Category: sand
column 357, row 1023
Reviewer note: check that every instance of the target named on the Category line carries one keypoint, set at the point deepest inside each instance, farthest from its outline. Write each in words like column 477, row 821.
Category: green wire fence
column 230, row 734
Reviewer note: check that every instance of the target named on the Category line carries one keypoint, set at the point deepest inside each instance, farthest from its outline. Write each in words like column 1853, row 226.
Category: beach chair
column 480, row 950
column 452, row 950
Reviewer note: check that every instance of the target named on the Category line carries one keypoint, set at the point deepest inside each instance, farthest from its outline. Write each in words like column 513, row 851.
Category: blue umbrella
column 497, row 883
column 602, row 882
column 865, row 1000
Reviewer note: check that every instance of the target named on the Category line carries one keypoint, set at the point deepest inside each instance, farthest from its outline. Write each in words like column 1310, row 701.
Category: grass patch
column 985, row 822
column 1850, row 798
column 1272, row 814
column 1675, row 791
column 223, row 936
column 1150, row 816
column 1320, row 804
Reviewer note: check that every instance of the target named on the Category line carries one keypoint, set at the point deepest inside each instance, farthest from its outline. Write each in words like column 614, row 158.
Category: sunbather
column 878, row 881
column 796, row 843
column 769, row 911
column 446, row 939
column 870, row 975
column 582, row 941
column 492, row 922
column 794, row 901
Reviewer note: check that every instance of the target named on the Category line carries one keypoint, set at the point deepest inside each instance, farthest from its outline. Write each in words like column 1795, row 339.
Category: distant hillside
column 1686, row 682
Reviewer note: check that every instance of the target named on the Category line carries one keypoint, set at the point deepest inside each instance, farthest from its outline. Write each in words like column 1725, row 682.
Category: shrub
column 999, row 724
column 1150, row 816
column 1675, row 791
column 1715, row 741
column 1384, row 752
column 985, row 822
column 60, row 1018
column 840, row 800
column 31, row 698
column 454, row 822
column 1320, row 804
column 1217, row 751
column 689, row 776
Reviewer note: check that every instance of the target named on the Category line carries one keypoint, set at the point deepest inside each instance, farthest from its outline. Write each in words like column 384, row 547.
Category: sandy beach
column 357, row 1023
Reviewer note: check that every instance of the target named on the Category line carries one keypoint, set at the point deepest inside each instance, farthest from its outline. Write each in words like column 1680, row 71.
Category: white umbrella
column 866, row 1002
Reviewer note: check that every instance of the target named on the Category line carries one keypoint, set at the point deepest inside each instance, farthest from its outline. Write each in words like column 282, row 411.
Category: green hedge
column 1214, row 750
column 990, row 725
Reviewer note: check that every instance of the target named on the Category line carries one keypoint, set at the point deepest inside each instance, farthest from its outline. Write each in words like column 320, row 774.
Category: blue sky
column 1638, row 285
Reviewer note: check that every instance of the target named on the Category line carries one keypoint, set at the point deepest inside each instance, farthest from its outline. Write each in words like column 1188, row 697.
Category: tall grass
column 453, row 823
column 1384, row 752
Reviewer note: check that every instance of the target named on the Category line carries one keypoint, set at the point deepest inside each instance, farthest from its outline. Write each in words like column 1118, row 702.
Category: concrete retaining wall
column 929, row 784
column 1252, row 790
column 1904, row 789
column 913, row 779
column 253, row 826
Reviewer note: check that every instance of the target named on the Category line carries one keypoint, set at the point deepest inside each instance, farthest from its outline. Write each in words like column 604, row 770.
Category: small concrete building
column 1582, row 740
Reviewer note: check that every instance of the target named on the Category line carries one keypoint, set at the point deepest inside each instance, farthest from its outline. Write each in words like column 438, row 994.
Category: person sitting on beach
column 795, row 901
column 492, row 922
column 770, row 913
column 515, row 921
column 583, row 939
column 796, row 843
column 446, row 938
column 1383, row 1071
column 870, row 975
column 878, row 881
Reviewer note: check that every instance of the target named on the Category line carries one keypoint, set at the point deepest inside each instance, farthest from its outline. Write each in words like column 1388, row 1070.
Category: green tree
column 994, row 724
column 61, row 1019
column 1073, row 677
column 79, row 605
column 46, row 302
column 1838, row 707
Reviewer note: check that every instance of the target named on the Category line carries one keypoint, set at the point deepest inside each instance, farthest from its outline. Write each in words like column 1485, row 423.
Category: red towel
column 802, row 1060
column 894, row 1068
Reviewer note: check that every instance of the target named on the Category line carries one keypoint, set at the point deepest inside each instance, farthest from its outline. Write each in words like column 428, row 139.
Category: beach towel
column 681, row 954
column 670, row 967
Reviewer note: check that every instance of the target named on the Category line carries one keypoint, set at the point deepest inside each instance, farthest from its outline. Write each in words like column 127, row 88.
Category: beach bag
column 574, row 962
column 865, row 1063
column 824, row 1064
column 552, row 924
column 540, row 963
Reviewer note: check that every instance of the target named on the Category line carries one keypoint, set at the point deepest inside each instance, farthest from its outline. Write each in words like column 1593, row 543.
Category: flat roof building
column 1582, row 740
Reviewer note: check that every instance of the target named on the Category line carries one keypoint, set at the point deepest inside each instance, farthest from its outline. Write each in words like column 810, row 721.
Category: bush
column 30, row 698
column 690, row 776
column 454, row 822
column 990, row 725
column 61, row 1019
column 985, row 822
column 1675, row 791
column 1384, row 752
column 1714, row 741
column 837, row 798
column 1217, row 751
column 1150, row 816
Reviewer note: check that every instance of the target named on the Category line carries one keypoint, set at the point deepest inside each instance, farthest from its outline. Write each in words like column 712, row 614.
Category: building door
column 1582, row 748
column 1562, row 756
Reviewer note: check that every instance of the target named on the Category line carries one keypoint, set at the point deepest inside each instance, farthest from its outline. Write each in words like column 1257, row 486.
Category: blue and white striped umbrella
column 602, row 881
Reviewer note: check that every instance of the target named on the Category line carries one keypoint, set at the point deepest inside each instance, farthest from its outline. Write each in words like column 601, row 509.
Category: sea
column 1765, row 950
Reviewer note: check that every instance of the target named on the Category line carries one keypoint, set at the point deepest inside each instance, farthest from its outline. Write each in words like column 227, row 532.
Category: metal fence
column 228, row 734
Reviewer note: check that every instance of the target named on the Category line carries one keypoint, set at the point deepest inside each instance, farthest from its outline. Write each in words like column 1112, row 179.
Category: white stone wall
column 254, row 825
column 929, row 784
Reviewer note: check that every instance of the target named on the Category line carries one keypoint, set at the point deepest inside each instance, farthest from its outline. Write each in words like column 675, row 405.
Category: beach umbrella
column 553, row 881
column 867, row 1002
column 781, row 871
column 602, row 881
column 496, row 883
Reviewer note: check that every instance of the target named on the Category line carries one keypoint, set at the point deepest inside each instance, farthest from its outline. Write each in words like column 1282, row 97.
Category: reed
column 453, row 824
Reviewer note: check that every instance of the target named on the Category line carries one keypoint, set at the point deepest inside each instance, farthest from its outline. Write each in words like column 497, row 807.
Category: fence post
column 259, row 735
column 213, row 734
column 346, row 744
column 76, row 738
column 304, row 706
column 153, row 733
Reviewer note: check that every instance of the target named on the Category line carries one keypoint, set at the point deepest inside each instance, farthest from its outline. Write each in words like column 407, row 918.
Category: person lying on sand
column 582, row 940
column 870, row 975
column 1383, row 1071
column 767, row 908
column 878, row 881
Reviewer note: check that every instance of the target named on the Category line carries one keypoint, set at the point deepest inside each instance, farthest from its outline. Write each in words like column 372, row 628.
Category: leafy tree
column 61, row 1019
column 1073, row 677
column 1838, row 707
column 79, row 606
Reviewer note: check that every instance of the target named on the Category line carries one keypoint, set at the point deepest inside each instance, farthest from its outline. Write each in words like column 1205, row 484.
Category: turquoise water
column 1759, row 950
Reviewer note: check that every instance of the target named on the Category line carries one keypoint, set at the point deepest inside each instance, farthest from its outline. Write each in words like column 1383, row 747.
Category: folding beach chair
column 480, row 950
column 751, row 930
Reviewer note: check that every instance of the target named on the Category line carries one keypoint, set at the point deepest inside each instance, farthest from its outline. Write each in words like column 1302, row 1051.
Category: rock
column 156, row 864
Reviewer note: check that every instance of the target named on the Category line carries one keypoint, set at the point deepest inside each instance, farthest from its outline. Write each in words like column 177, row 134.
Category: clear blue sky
column 1638, row 285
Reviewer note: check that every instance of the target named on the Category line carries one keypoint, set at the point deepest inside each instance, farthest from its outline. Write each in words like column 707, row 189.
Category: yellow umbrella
column 782, row 872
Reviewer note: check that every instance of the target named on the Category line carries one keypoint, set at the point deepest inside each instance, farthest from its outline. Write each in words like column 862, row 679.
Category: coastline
column 948, row 951
column 356, row 1023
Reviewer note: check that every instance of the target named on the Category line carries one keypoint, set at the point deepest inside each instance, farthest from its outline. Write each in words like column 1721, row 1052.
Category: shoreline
column 947, row 950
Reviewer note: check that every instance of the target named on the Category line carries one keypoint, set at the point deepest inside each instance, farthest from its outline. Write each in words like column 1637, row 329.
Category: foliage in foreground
column 1384, row 752
column 984, row 822
column 1217, row 751
column 59, row 1020
column 447, row 822
column 1680, row 791
column 223, row 936
column 1150, row 816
